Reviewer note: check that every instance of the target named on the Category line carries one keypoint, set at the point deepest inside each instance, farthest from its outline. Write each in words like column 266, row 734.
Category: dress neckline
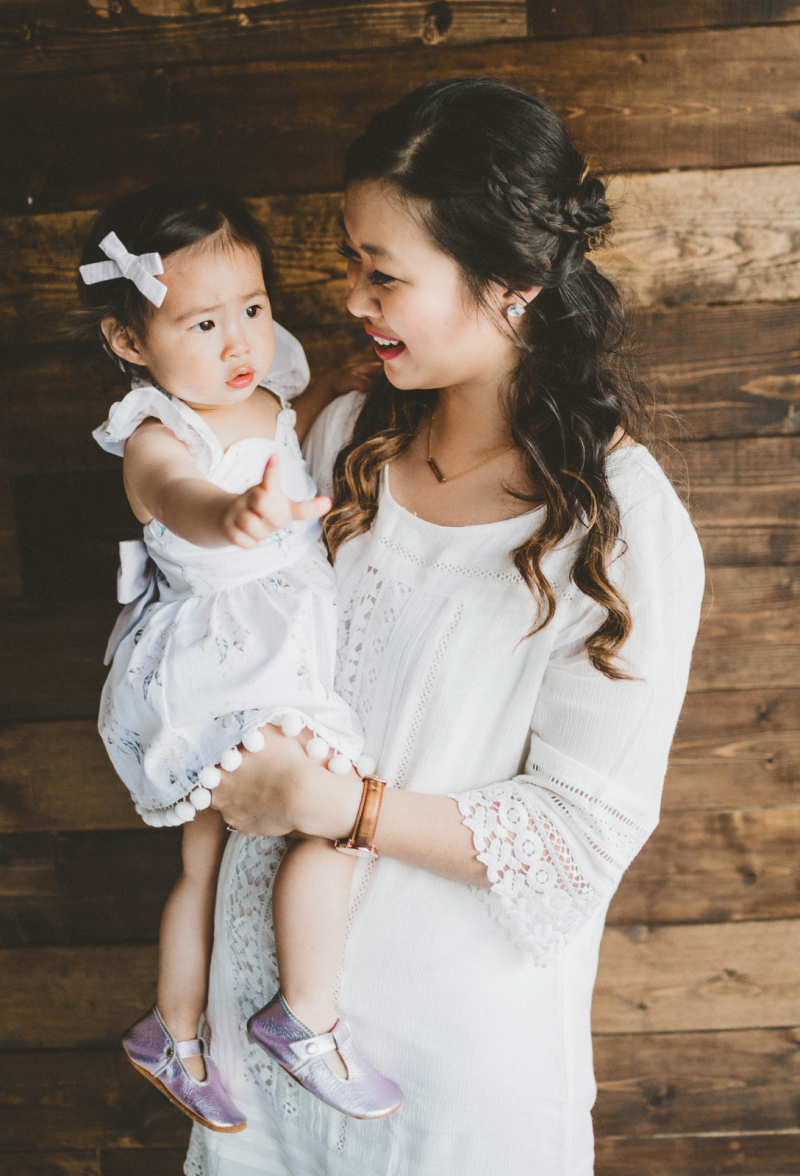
column 466, row 527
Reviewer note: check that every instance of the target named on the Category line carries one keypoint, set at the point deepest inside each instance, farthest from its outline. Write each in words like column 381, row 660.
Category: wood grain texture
column 109, row 887
column 81, row 1100
column 582, row 18
column 702, row 99
column 43, row 36
column 740, row 1155
column 668, row 1083
column 723, row 371
column 660, row 979
column 57, row 777
column 10, row 575
column 714, row 867
column 707, row 236
column 51, row 658
column 705, row 976
column 71, row 889
column 749, row 631
column 92, row 994
column 77, row 1163
column 736, row 749
column 51, row 653
column 137, row 1161
column 689, row 237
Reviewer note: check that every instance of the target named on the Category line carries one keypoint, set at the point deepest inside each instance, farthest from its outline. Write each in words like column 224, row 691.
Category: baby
column 230, row 620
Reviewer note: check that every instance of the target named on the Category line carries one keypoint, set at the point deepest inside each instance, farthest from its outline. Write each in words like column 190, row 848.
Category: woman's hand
column 264, row 508
column 279, row 791
column 358, row 377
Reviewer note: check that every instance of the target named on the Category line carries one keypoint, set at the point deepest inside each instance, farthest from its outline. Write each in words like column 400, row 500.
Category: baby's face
column 212, row 339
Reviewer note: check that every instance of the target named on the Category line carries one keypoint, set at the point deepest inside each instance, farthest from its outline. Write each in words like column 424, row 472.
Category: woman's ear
column 520, row 297
column 121, row 340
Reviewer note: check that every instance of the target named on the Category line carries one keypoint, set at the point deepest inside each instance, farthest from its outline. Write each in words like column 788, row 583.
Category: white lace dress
column 215, row 642
column 476, row 1002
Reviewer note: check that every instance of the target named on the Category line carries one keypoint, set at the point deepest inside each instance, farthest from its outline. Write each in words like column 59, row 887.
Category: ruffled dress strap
column 145, row 401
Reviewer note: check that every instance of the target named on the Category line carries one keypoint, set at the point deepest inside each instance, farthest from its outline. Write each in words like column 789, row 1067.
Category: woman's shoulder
column 330, row 432
column 653, row 520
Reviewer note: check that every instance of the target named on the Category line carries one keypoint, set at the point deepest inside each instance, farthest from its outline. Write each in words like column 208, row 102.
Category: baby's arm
column 162, row 482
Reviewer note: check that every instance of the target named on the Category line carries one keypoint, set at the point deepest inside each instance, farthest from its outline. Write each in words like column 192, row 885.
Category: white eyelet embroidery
column 366, row 624
column 537, row 890
column 511, row 576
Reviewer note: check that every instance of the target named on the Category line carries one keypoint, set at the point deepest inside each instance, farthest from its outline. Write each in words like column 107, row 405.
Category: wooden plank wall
column 695, row 106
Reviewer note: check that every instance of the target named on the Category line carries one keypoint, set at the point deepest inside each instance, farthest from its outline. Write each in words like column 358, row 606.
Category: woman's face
column 414, row 302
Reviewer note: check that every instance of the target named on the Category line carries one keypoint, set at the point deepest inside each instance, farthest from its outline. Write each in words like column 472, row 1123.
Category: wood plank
column 92, row 995
column 10, row 576
column 51, row 658
column 707, row 236
column 136, row 1161
column 715, row 867
column 85, row 888
column 657, row 979
column 744, row 496
column 109, row 887
column 41, row 36
column 691, row 237
column 668, row 1083
column 740, row 1155
column 706, row 976
column 749, row 632
column 702, row 99
column 685, row 238
column 737, row 749
column 82, row 1163
column 586, row 18
column 81, row 1100
column 51, row 654
column 723, row 371
column 57, row 776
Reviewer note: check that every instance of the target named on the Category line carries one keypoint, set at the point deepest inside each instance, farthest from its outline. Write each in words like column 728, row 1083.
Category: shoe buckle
column 312, row 1047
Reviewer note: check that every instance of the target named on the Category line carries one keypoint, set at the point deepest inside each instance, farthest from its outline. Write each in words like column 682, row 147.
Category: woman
column 519, row 592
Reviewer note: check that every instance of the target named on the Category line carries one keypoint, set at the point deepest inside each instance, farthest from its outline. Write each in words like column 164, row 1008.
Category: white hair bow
column 127, row 265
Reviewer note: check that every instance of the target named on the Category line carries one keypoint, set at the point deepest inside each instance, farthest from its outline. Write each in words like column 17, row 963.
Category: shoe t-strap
column 189, row 1049
column 313, row 1047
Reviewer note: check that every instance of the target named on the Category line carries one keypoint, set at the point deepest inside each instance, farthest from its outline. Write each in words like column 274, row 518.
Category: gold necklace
column 440, row 476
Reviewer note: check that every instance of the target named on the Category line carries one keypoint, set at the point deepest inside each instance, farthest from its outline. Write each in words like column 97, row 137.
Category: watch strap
column 361, row 841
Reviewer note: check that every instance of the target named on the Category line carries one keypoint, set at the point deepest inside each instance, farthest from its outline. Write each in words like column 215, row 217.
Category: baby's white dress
column 215, row 642
column 476, row 1002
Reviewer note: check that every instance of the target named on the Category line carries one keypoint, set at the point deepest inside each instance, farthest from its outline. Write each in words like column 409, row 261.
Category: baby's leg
column 187, row 932
column 310, row 902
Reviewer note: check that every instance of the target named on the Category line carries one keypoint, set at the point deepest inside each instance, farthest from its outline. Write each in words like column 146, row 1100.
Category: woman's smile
column 386, row 347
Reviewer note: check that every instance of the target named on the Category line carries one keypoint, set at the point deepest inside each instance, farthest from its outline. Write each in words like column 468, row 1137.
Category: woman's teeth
column 379, row 339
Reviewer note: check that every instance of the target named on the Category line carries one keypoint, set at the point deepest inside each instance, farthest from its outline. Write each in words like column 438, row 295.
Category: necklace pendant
column 439, row 475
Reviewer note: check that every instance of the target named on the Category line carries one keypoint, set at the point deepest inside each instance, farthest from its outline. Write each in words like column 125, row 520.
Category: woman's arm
column 280, row 790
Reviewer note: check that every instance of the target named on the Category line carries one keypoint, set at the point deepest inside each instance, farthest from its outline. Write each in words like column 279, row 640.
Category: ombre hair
column 497, row 183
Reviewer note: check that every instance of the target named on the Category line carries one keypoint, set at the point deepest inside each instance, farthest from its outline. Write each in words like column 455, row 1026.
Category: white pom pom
column 230, row 759
column 292, row 725
column 209, row 777
column 170, row 817
column 317, row 748
column 366, row 765
column 150, row 817
column 340, row 765
column 185, row 811
column 253, row 741
column 200, row 798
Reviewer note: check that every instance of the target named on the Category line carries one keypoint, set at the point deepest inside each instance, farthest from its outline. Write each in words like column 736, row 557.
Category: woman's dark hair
column 161, row 219
column 499, row 186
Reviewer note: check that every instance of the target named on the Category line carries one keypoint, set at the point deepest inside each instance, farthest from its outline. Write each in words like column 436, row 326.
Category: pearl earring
column 516, row 310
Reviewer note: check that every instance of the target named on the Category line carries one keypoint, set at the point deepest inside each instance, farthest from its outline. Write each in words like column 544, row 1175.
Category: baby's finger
column 315, row 508
column 271, row 479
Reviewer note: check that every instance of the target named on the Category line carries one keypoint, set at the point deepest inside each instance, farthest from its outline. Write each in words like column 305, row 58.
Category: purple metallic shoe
column 363, row 1094
column 155, row 1053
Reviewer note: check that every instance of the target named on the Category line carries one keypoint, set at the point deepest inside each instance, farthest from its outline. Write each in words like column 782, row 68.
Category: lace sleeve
column 557, row 838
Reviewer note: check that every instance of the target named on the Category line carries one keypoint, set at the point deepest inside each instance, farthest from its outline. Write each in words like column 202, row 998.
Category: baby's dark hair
column 160, row 219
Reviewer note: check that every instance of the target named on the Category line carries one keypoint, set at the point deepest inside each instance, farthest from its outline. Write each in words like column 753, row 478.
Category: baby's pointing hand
column 265, row 508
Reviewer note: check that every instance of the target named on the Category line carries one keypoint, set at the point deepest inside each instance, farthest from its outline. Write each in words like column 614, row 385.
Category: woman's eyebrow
column 372, row 250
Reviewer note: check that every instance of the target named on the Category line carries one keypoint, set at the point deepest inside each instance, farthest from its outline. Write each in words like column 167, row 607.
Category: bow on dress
column 137, row 587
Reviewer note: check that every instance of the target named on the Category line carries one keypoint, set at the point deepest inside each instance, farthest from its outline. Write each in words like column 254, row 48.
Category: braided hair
column 502, row 190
